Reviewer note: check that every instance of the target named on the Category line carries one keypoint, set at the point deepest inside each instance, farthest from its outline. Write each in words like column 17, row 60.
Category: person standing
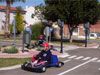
column 27, row 36
column 48, row 30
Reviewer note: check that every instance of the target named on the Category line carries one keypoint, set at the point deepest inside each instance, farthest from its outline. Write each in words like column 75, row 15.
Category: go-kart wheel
column 60, row 64
column 29, row 65
column 43, row 69
column 22, row 67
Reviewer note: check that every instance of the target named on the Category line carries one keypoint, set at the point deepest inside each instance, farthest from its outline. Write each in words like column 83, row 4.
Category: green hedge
column 37, row 29
column 11, row 50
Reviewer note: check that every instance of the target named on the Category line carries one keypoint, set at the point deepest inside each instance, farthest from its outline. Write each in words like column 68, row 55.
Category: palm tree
column 8, row 5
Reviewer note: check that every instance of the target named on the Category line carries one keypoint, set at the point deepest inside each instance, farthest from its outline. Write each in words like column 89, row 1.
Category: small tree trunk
column 7, row 32
column 70, row 38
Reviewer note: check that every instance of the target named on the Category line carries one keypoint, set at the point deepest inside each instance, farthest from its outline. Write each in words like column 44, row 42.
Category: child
column 45, row 54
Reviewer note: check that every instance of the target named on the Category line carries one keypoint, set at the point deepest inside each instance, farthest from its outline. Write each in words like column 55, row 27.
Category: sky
column 27, row 3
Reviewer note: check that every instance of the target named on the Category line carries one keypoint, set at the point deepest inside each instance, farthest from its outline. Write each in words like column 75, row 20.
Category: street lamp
column 61, row 24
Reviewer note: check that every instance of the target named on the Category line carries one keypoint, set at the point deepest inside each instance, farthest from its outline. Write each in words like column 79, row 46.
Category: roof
column 12, row 9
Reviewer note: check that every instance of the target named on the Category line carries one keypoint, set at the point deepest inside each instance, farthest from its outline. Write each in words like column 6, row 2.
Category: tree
column 39, row 11
column 72, row 12
column 8, row 5
column 19, row 20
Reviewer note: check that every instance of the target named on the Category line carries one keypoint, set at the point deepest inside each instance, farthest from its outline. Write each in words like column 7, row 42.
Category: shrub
column 10, row 50
column 37, row 29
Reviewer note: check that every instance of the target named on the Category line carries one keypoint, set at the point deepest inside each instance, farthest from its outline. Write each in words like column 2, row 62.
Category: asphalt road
column 79, row 62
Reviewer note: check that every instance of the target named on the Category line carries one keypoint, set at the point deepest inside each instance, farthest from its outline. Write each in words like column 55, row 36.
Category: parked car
column 94, row 35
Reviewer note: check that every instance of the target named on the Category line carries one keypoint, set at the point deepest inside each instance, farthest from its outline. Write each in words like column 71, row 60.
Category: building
column 79, row 32
column 28, row 13
column 3, row 17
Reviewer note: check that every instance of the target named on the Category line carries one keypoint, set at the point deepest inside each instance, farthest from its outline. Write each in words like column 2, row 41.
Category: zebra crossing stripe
column 72, row 56
column 98, row 61
column 86, row 58
column 66, row 61
column 82, row 58
column 79, row 57
column 95, row 59
column 64, row 55
column 99, row 69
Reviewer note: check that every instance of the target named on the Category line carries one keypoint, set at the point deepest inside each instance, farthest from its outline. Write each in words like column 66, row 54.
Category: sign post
column 14, row 31
column 87, row 27
column 61, row 24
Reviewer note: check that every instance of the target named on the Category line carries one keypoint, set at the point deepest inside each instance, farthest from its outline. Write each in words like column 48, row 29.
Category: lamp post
column 61, row 24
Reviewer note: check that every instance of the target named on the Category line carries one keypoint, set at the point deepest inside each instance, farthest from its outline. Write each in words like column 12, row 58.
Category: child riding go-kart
column 40, row 41
column 43, row 60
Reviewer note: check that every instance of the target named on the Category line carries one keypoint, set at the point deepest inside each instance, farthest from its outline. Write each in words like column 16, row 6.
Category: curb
column 10, row 68
column 97, row 46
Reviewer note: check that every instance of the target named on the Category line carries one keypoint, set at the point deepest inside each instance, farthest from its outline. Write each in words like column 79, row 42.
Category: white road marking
column 98, row 61
column 99, row 69
column 86, row 58
column 64, row 55
column 62, row 73
column 72, row 56
column 95, row 59
column 79, row 57
column 66, row 61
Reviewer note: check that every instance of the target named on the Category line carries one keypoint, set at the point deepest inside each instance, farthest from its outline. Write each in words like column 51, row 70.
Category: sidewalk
column 32, row 52
column 28, row 54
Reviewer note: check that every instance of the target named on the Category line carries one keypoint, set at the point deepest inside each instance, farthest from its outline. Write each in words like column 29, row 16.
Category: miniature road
column 79, row 62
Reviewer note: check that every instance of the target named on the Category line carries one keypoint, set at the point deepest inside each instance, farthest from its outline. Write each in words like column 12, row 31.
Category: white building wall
column 2, row 18
column 12, row 15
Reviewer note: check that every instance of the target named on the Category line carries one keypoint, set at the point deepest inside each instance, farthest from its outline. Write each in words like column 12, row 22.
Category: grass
column 5, row 62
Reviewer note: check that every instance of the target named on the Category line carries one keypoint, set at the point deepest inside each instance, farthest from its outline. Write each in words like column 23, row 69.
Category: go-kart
column 38, row 43
column 43, row 65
